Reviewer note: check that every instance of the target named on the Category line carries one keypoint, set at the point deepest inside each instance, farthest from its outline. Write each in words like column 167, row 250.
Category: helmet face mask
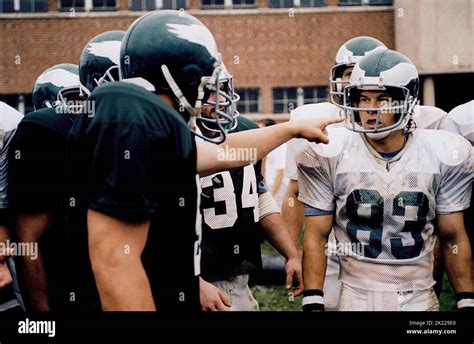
column 72, row 98
column 110, row 75
column 218, row 115
column 336, row 84
column 400, row 105
column 392, row 74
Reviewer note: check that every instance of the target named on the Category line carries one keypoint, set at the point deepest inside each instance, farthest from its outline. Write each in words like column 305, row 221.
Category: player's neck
column 391, row 143
column 168, row 100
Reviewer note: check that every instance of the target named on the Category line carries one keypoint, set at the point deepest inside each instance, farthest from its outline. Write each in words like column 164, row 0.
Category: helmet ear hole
column 191, row 75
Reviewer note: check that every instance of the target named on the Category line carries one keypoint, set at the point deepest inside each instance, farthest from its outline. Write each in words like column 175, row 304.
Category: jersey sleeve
column 120, row 149
column 119, row 172
column 454, row 193
column 316, row 188
column 291, row 170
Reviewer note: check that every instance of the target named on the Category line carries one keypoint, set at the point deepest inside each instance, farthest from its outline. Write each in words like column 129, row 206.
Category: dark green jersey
column 134, row 158
column 231, row 228
column 37, row 185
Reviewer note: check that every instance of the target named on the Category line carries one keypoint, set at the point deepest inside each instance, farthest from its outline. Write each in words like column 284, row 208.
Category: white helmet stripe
column 59, row 78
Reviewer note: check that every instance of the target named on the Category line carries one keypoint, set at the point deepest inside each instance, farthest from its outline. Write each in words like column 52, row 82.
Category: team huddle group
column 117, row 177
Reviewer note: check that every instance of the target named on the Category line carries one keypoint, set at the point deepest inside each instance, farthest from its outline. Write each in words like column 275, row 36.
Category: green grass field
column 275, row 297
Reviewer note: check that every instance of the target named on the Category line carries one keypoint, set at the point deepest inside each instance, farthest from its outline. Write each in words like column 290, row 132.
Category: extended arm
column 256, row 144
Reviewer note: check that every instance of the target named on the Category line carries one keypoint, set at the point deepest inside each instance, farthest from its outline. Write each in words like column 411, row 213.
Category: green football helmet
column 388, row 71
column 172, row 52
column 56, row 85
column 100, row 59
column 348, row 55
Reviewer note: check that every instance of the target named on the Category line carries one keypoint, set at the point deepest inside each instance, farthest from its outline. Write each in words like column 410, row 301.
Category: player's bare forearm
column 249, row 146
column 317, row 229
column 276, row 233
column 35, row 283
column 30, row 228
column 293, row 213
column 115, row 249
column 456, row 251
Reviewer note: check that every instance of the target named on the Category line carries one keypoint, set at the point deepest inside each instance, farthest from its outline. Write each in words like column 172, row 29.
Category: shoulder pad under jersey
column 460, row 120
column 428, row 117
column 319, row 110
column 451, row 149
column 338, row 139
column 9, row 117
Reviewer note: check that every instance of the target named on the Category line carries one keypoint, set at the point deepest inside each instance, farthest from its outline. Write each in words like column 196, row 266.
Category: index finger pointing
column 329, row 121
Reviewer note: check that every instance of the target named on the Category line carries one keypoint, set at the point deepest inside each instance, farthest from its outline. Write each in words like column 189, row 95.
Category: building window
column 33, row 6
column 364, row 2
column 281, row 3
column 174, row 4
column 142, row 5
column 104, row 5
column 7, row 6
column 349, row 2
column 285, row 99
column 25, row 6
column 312, row 3
column 249, row 100
column 212, row 4
column 244, row 3
column 66, row 5
column 313, row 95
column 381, row 2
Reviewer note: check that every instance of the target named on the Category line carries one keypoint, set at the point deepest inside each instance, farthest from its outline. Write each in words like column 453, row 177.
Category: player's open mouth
column 370, row 124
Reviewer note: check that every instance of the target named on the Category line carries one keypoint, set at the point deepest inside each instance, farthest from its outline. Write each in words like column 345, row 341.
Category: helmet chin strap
column 179, row 96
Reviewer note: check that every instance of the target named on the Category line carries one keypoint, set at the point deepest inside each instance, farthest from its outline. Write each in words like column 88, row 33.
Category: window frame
column 104, row 8
column 212, row 6
column 68, row 8
column 246, row 102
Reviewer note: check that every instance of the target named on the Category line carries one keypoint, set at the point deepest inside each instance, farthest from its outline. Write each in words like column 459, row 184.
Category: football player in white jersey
column 292, row 209
column 382, row 184
column 460, row 120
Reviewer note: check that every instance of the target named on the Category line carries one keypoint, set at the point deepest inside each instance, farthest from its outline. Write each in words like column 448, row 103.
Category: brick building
column 280, row 51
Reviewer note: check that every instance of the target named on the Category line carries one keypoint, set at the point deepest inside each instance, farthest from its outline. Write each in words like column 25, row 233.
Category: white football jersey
column 319, row 110
column 428, row 117
column 9, row 119
column 460, row 120
column 383, row 210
